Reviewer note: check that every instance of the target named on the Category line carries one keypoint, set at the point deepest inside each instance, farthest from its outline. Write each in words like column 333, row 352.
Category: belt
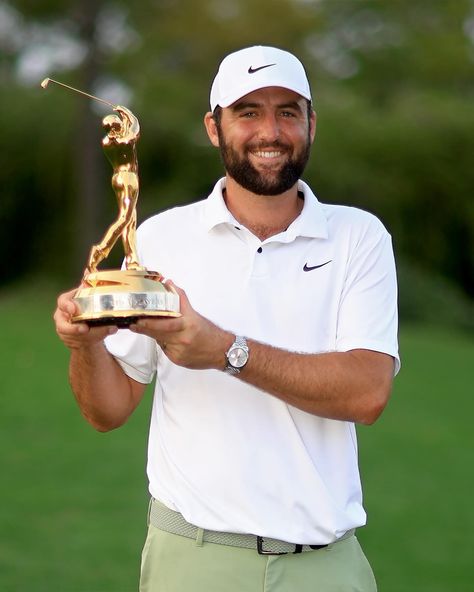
column 173, row 522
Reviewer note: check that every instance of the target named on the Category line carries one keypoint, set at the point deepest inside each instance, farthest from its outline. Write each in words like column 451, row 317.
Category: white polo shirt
column 225, row 454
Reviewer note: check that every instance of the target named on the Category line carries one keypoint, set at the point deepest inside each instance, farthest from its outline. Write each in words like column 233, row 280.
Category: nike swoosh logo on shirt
column 252, row 70
column 306, row 268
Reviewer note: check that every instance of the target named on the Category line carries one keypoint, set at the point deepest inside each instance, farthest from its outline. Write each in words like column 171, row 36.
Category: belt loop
column 199, row 537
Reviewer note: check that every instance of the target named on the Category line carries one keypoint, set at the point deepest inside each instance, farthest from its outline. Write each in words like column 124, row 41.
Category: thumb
column 66, row 302
column 184, row 304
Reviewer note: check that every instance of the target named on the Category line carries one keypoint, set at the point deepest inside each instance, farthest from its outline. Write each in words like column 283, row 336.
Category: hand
column 191, row 340
column 76, row 335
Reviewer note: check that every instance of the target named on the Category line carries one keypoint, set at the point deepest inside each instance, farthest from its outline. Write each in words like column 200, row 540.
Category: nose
column 270, row 128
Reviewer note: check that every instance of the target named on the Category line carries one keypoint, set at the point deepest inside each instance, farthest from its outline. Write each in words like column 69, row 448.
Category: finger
column 64, row 326
column 65, row 311
column 184, row 304
column 66, row 302
column 100, row 333
column 80, row 334
column 157, row 327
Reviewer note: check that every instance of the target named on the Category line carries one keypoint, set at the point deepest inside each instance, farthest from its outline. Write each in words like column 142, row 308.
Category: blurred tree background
column 393, row 88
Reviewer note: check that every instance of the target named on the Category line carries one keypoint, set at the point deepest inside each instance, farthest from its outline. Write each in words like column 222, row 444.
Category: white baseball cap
column 257, row 67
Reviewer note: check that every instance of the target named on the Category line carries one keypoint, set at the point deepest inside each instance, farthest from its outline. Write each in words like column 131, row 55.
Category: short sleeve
column 368, row 316
column 136, row 354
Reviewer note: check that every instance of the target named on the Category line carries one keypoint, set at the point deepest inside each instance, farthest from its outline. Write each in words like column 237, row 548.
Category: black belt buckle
column 261, row 550
column 298, row 548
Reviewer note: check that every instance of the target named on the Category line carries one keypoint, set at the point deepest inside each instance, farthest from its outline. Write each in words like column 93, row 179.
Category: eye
column 248, row 114
column 288, row 114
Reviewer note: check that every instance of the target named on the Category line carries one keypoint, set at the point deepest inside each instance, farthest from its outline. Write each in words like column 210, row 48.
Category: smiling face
column 265, row 139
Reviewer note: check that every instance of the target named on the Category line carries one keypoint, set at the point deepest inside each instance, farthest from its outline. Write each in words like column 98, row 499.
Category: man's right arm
column 105, row 394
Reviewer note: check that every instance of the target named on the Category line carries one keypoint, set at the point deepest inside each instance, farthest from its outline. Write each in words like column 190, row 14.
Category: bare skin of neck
column 263, row 215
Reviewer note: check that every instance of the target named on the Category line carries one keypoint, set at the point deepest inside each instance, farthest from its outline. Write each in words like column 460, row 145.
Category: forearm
column 351, row 386
column 105, row 395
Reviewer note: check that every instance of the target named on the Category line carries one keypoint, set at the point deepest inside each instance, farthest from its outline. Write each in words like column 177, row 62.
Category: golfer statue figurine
column 120, row 147
column 120, row 296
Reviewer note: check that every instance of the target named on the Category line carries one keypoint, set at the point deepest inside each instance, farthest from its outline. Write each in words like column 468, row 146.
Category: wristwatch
column 237, row 356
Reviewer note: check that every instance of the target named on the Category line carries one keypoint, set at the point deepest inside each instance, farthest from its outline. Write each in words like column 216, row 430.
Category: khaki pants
column 173, row 563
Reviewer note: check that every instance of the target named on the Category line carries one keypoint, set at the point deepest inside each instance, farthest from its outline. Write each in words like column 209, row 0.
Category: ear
column 312, row 125
column 211, row 128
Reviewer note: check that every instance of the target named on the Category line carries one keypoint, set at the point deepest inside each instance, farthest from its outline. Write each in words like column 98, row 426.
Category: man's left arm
column 351, row 386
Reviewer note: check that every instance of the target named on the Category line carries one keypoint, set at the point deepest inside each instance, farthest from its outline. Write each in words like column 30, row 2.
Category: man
column 287, row 338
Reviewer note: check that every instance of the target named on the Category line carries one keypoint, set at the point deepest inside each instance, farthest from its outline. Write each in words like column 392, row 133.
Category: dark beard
column 248, row 177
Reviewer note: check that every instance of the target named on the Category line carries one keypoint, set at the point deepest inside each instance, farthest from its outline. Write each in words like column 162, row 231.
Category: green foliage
column 411, row 168
column 430, row 299
column 36, row 167
column 393, row 89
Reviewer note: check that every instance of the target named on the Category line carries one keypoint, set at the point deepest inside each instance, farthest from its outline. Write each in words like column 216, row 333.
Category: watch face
column 237, row 357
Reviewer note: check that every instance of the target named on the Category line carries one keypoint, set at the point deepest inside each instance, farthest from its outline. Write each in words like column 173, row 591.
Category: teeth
column 273, row 154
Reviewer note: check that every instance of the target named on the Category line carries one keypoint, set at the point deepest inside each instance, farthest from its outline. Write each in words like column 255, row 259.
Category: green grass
column 417, row 469
column 73, row 502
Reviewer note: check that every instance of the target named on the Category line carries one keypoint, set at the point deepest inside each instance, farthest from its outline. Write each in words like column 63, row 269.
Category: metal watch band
column 238, row 342
column 231, row 369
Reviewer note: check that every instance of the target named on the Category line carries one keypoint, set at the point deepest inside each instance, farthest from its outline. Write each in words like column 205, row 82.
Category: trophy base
column 121, row 297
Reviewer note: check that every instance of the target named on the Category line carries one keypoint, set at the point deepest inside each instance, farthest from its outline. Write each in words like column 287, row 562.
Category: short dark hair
column 217, row 115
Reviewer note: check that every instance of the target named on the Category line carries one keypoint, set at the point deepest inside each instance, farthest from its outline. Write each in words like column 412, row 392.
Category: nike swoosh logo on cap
column 306, row 268
column 252, row 70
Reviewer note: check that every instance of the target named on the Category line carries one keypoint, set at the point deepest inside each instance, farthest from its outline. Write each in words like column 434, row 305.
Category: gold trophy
column 119, row 297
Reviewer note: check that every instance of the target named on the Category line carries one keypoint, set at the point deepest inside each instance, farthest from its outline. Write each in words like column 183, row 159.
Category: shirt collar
column 311, row 223
column 216, row 211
